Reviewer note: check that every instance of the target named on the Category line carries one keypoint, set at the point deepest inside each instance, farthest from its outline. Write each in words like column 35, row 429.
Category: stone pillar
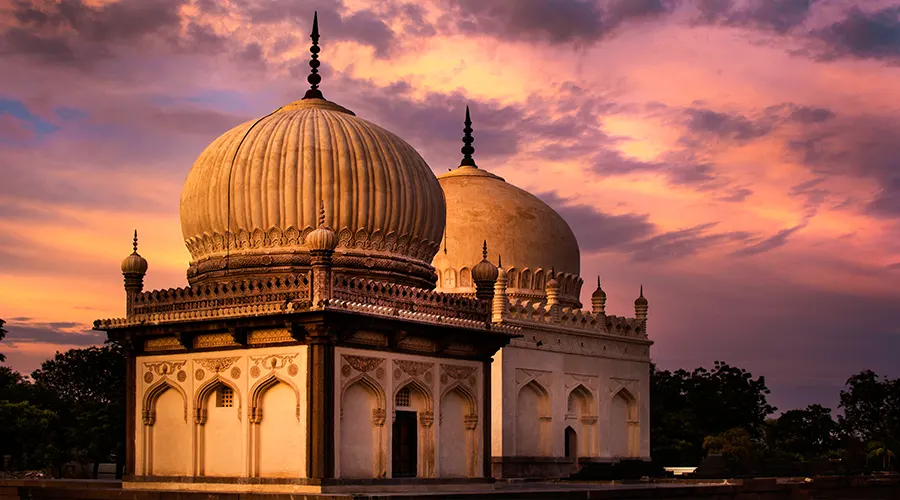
column 130, row 409
column 552, row 290
column 320, row 403
column 500, row 304
column 321, row 243
column 486, row 426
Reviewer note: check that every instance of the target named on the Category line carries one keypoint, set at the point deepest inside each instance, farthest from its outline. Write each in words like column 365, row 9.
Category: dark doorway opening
column 571, row 443
column 405, row 449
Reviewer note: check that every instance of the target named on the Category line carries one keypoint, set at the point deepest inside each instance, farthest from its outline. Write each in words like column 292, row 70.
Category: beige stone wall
column 539, row 391
column 234, row 413
column 446, row 395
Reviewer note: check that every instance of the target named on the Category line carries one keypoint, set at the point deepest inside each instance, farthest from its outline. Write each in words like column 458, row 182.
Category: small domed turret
column 484, row 270
column 641, row 306
column 598, row 299
column 323, row 238
column 134, row 264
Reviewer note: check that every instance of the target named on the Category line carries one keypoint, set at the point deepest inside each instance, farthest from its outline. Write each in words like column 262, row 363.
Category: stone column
column 321, row 243
column 552, row 290
column 486, row 426
column 320, row 403
column 500, row 304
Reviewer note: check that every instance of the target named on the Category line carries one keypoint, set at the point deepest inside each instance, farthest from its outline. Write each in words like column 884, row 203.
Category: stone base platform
column 844, row 488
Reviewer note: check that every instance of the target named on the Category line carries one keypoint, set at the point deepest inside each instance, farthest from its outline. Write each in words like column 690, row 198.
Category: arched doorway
column 571, row 440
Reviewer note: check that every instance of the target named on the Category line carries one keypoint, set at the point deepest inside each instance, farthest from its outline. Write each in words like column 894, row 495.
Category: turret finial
column 467, row 150
column 314, row 78
column 642, row 290
column 321, row 213
column 135, row 241
column 499, row 261
column 598, row 281
column 484, row 250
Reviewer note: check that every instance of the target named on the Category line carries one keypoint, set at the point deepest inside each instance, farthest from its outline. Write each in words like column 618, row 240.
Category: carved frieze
column 269, row 336
column 218, row 365
column 163, row 344
column 273, row 361
column 464, row 374
column 592, row 382
column 163, row 368
column 417, row 344
column 215, row 340
column 369, row 338
column 362, row 364
column 413, row 368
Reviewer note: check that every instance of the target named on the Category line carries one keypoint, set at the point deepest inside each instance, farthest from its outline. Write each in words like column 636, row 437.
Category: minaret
column 134, row 267
column 552, row 291
column 314, row 79
column 598, row 300
column 321, row 243
column 640, row 307
column 500, row 305
column 468, row 150
column 484, row 274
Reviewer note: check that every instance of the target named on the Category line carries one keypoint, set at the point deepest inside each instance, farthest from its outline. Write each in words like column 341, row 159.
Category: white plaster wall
column 559, row 373
column 226, row 444
column 362, row 394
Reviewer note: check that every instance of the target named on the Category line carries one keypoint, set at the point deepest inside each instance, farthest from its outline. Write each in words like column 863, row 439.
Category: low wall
column 824, row 488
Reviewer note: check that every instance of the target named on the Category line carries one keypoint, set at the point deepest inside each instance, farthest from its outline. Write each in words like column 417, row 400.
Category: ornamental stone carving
column 273, row 361
column 363, row 364
column 464, row 374
column 235, row 373
column 218, row 365
column 164, row 368
column 413, row 368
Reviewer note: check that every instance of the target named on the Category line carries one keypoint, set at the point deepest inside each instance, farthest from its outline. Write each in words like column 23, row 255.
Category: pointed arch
column 624, row 425
column 465, row 277
column 543, row 395
column 459, row 454
column 512, row 278
column 361, row 451
column 465, row 392
column 369, row 383
column 583, row 393
column 538, row 279
column 152, row 395
column 211, row 385
column 526, row 278
column 260, row 387
column 419, row 387
column 533, row 420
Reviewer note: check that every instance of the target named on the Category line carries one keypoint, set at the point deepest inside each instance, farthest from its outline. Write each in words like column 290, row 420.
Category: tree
column 86, row 388
column 686, row 407
column 871, row 418
column 2, row 336
column 808, row 433
column 24, row 434
column 737, row 446
column 13, row 386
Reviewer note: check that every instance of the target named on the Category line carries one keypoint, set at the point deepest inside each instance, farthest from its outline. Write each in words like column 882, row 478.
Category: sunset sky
column 737, row 158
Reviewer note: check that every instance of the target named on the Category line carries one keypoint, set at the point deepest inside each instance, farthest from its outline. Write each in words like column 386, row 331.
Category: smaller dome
column 134, row 263
column 552, row 283
column 484, row 270
column 323, row 238
column 598, row 293
column 641, row 301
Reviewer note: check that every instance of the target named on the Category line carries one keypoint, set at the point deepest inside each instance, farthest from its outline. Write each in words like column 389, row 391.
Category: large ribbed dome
column 253, row 195
column 531, row 237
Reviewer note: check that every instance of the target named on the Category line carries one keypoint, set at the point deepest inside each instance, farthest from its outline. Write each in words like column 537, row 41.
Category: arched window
column 224, row 397
column 402, row 398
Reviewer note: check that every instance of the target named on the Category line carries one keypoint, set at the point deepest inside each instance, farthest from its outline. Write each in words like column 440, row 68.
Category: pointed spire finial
column 642, row 289
column 322, row 213
column 135, row 241
column 484, row 250
column 467, row 149
column 499, row 261
column 314, row 79
column 598, row 281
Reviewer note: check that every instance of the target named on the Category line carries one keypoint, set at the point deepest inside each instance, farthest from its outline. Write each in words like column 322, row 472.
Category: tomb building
column 574, row 388
column 309, row 352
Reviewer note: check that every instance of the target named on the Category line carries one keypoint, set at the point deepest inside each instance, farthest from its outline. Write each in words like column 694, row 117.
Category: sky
column 739, row 159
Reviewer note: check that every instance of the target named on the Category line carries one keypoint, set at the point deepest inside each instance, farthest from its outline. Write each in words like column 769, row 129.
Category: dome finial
column 322, row 213
column 499, row 261
column 314, row 78
column 135, row 241
column 642, row 289
column 484, row 250
column 598, row 281
column 467, row 150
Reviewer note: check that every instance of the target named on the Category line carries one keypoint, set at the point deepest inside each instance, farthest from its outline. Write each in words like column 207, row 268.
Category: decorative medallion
column 182, row 376
column 465, row 374
column 273, row 361
column 346, row 370
column 379, row 372
column 293, row 370
column 163, row 368
column 444, row 379
column 148, row 377
column 217, row 365
column 471, row 381
column 199, row 374
column 254, row 372
column 428, row 376
column 235, row 373
column 362, row 363
column 397, row 373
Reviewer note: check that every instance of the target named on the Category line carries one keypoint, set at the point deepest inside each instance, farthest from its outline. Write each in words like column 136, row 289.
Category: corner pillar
column 320, row 403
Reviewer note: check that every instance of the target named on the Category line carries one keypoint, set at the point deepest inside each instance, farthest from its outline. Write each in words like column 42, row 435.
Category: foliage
column 24, row 434
column 686, row 407
column 806, row 434
column 737, row 446
column 878, row 449
column 2, row 336
column 86, row 388
column 871, row 409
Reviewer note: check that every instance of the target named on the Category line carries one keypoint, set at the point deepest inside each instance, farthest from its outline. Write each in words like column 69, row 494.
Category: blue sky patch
column 18, row 109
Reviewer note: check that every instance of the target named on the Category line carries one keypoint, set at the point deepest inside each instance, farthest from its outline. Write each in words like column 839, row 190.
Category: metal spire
column 484, row 251
column 314, row 78
column 135, row 241
column 467, row 150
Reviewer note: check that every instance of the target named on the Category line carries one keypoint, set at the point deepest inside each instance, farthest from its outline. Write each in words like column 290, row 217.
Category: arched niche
column 624, row 427
column 217, row 419
column 533, row 419
column 458, row 437
column 581, row 416
column 465, row 277
column 277, row 428
column 363, row 414
column 418, row 398
column 526, row 278
column 167, row 435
